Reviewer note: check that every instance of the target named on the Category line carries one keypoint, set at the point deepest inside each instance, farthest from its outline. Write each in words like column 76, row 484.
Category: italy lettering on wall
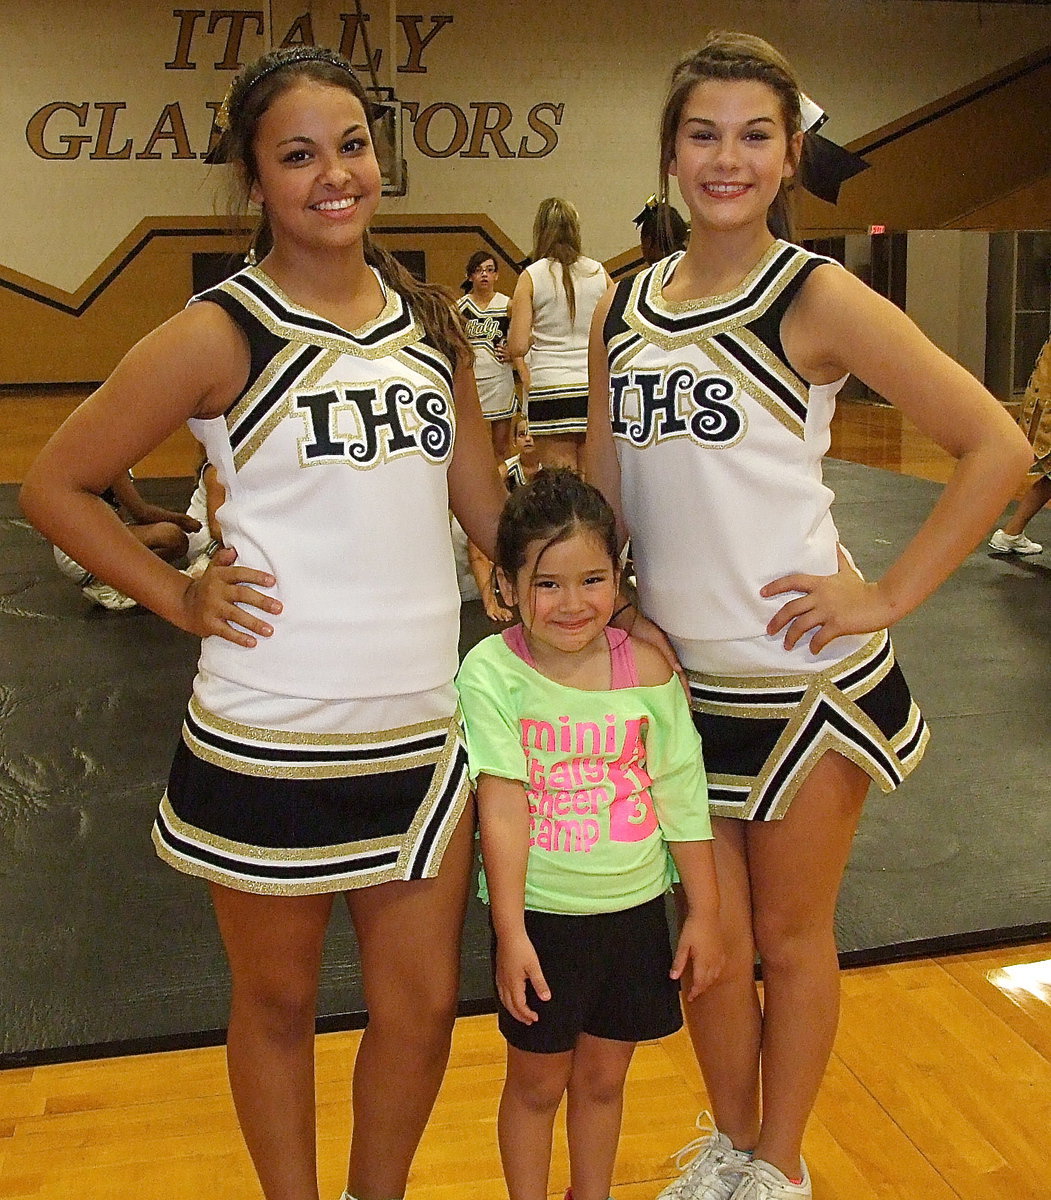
column 224, row 39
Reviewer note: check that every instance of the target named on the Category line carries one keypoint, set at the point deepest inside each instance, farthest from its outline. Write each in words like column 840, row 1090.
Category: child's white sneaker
column 710, row 1165
column 107, row 597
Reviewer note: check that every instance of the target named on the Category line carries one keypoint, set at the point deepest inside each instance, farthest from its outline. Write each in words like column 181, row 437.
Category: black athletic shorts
column 608, row 975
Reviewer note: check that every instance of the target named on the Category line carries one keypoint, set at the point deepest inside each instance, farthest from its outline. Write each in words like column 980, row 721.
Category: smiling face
column 565, row 592
column 316, row 170
column 732, row 152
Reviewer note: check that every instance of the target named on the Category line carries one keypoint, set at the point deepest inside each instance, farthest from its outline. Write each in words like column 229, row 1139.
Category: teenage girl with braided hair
column 713, row 379
column 321, row 753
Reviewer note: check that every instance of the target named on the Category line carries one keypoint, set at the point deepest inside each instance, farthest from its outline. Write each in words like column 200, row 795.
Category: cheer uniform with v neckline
column 720, row 443
column 486, row 328
column 329, row 755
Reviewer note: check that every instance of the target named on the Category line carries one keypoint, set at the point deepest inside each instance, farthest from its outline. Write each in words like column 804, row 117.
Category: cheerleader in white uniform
column 321, row 753
column 486, row 317
column 553, row 304
column 713, row 381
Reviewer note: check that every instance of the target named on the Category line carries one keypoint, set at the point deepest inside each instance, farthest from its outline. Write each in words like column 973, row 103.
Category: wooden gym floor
column 939, row 1087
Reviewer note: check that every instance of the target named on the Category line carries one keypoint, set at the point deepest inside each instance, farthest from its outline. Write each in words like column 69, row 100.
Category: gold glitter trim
column 287, row 737
column 752, row 388
column 656, row 280
column 697, row 334
column 267, row 378
column 419, row 366
column 439, row 781
column 283, row 408
column 388, row 756
column 298, row 770
column 267, row 887
column 835, row 671
column 346, row 343
column 398, row 871
column 909, row 732
column 821, row 690
column 319, row 854
column 622, row 349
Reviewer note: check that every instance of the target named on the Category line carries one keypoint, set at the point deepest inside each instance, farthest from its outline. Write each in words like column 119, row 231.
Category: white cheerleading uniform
column 328, row 755
column 558, row 359
column 720, row 444
column 486, row 328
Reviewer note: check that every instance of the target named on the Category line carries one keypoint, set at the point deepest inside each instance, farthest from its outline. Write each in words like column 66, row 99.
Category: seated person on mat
column 161, row 529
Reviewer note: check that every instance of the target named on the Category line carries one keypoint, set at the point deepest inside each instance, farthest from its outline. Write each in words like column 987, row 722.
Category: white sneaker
column 1013, row 543
column 762, row 1181
column 711, row 1167
column 198, row 567
column 107, row 597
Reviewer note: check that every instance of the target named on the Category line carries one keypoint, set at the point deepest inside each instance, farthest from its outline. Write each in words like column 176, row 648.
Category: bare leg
column 796, row 866
column 533, row 1088
column 274, row 944
column 409, row 938
column 500, row 431
column 594, row 1109
column 1030, row 504
column 725, row 1022
column 562, row 450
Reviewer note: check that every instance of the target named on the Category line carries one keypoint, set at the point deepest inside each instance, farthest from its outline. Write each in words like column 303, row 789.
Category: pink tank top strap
column 516, row 642
column 624, row 672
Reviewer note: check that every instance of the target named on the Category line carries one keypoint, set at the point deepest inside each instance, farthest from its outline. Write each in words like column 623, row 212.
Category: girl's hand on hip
column 516, row 962
column 214, row 603
column 833, row 605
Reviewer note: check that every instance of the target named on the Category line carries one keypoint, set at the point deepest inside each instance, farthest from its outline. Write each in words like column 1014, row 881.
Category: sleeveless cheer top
column 334, row 461
column 485, row 329
column 720, row 444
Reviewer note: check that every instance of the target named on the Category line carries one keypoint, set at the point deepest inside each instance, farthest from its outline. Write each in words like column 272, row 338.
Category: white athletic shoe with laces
column 1013, row 543
column 762, row 1181
column 711, row 1167
column 107, row 597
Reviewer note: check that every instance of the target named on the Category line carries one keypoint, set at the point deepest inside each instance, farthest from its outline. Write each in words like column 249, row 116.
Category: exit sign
column 874, row 229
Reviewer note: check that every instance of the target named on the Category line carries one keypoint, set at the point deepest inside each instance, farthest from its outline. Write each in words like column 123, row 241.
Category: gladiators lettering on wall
column 64, row 129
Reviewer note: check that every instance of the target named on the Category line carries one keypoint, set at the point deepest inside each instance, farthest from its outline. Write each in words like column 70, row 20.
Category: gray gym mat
column 105, row 950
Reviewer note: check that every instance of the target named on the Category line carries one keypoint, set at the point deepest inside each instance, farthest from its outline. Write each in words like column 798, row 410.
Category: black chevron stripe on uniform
column 276, row 393
column 299, row 319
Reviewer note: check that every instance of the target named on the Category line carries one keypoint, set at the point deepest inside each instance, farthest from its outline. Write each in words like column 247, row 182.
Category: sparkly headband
column 292, row 55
